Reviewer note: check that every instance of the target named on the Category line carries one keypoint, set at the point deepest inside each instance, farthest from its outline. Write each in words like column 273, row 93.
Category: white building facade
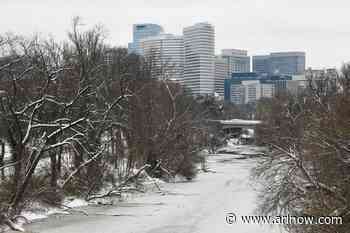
column 267, row 90
column 237, row 95
column 250, row 91
column 166, row 52
column 238, row 60
column 199, row 66
column 221, row 73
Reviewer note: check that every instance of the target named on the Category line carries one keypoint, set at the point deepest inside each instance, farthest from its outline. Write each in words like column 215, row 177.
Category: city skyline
column 257, row 26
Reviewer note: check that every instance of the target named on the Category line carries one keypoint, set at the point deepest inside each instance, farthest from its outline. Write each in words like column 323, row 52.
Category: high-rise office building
column 284, row 63
column 261, row 64
column 287, row 63
column 199, row 41
column 238, row 60
column 166, row 52
column 221, row 73
column 142, row 31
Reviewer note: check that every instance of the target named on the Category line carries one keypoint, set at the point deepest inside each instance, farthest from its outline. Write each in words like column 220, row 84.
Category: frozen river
column 199, row 206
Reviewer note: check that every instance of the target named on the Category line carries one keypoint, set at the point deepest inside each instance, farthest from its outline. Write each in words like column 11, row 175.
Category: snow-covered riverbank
column 187, row 207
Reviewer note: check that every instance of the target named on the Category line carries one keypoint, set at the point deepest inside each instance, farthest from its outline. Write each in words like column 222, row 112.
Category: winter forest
column 80, row 116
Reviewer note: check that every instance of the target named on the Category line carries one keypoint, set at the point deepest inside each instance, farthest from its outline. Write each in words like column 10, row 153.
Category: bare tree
column 54, row 100
column 94, row 114
column 307, row 171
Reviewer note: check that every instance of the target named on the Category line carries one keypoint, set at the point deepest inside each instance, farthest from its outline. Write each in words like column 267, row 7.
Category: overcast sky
column 321, row 28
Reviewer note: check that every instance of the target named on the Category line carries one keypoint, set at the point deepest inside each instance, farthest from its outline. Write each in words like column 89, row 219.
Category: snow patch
column 32, row 216
column 77, row 202
column 39, row 212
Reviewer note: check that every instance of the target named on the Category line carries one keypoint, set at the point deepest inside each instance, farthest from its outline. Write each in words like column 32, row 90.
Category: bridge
column 238, row 128
column 239, row 123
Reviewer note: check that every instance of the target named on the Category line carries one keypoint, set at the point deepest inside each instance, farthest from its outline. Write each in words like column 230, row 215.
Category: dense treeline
column 308, row 170
column 78, row 116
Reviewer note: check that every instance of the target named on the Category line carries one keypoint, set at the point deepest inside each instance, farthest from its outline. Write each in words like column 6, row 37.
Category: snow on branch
column 121, row 185
column 87, row 162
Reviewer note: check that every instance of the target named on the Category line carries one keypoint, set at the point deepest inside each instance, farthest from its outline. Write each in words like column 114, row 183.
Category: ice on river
column 199, row 206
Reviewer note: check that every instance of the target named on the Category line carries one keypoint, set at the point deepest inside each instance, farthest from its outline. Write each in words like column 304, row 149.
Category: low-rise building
column 267, row 90
column 244, row 88
column 237, row 94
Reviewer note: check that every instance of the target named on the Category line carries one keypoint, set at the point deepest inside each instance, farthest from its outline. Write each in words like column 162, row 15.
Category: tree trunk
column 78, row 159
column 24, row 182
column 2, row 157
column 54, row 172
column 112, row 142
column 18, row 155
column 59, row 162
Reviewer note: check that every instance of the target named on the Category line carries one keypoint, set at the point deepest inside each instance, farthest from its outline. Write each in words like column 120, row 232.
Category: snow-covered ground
column 199, row 206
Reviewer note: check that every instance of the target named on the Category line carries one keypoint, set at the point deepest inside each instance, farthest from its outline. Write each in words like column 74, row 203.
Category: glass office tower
column 142, row 31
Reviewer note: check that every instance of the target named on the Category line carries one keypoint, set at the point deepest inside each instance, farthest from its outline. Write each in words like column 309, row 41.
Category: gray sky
column 321, row 28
